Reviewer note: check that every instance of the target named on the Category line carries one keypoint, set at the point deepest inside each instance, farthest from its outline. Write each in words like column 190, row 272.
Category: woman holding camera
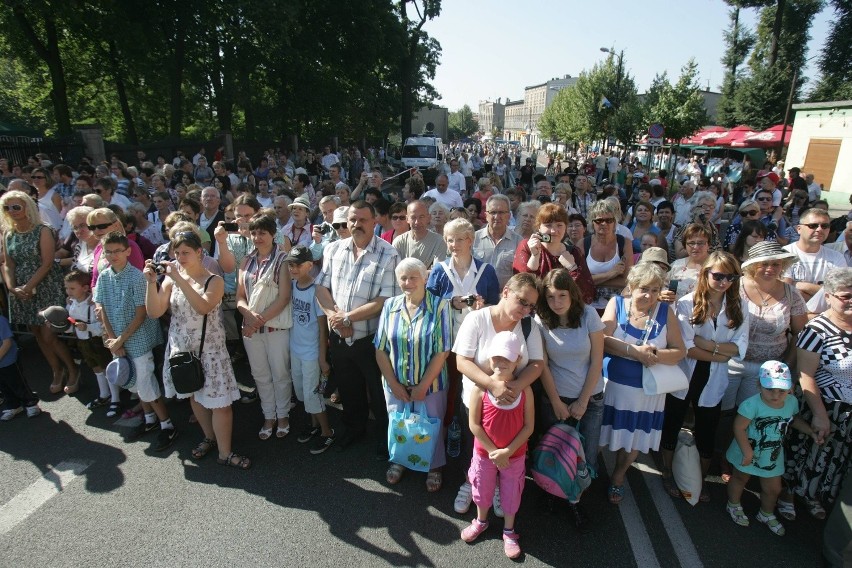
column 548, row 248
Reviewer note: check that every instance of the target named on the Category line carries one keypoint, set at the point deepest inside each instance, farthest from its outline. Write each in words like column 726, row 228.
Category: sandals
column 814, row 507
column 98, row 402
column 282, row 432
column 394, row 474
column 132, row 413
column 203, row 448
column 670, row 487
column 616, row 494
column 787, row 510
column 433, row 481
column 265, row 433
column 235, row 460
column 771, row 522
column 113, row 410
column 737, row 514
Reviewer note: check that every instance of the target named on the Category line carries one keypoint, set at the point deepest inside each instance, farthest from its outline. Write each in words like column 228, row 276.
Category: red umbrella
column 726, row 139
column 706, row 133
column 769, row 138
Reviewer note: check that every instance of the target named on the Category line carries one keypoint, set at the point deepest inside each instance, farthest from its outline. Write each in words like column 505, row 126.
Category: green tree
column 762, row 95
column 738, row 41
column 835, row 65
column 679, row 107
column 578, row 115
column 462, row 123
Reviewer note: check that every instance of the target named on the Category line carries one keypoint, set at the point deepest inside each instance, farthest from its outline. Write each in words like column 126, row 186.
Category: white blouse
column 718, row 381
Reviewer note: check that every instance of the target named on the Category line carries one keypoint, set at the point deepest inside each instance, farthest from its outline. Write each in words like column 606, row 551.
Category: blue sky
column 494, row 48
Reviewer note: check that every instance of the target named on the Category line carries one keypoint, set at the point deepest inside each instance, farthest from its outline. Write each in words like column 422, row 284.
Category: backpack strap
column 526, row 326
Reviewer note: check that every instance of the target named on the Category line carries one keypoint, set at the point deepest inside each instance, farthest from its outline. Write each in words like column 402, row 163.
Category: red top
column 548, row 262
column 502, row 424
column 388, row 236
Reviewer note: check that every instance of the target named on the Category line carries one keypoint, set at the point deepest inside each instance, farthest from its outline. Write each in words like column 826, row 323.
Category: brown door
column 821, row 160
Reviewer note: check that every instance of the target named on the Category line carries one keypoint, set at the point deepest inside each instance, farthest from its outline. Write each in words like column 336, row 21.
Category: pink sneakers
column 510, row 544
column 476, row 528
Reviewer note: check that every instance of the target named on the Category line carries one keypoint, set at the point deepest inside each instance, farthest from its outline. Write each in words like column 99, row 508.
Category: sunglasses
column 750, row 213
column 336, row 226
column 815, row 226
column 13, row 208
column 397, row 217
column 101, row 226
column 608, row 221
column 719, row 276
column 38, row 177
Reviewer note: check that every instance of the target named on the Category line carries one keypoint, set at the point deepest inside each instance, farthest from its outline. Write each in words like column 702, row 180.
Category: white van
column 423, row 153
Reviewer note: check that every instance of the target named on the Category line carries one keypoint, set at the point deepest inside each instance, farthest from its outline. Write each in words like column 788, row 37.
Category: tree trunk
column 176, row 67
column 50, row 55
column 776, row 31
column 129, row 126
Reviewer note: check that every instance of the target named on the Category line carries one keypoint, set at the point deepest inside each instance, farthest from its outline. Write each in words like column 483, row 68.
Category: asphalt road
column 75, row 492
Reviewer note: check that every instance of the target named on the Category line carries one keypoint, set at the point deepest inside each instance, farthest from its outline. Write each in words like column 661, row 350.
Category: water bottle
column 454, row 438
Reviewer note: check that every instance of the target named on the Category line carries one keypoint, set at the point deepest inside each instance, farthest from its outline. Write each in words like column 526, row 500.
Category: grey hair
column 136, row 207
column 79, row 212
column 330, row 198
column 534, row 205
column 645, row 274
column 700, row 196
column 837, row 278
column 409, row 265
column 498, row 197
column 436, row 206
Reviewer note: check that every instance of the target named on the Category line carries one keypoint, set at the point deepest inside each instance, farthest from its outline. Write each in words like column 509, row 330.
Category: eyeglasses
column 608, row 221
column 397, row 217
column 336, row 226
column 815, row 226
column 750, row 213
column 524, row 304
column 101, row 226
column 719, row 276
column 114, row 251
column 13, row 208
column 844, row 299
column 696, row 244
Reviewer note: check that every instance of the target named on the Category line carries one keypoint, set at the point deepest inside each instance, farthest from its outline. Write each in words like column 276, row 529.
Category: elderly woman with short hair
column 77, row 251
column 815, row 470
column 640, row 331
column 144, row 227
column 415, row 370
column 440, row 214
column 525, row 218
column 702, row 204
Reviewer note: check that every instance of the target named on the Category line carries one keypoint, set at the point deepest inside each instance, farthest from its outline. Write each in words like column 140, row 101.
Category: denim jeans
column 589, row 426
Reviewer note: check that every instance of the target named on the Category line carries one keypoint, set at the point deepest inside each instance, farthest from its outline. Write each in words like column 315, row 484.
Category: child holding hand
column 500, row 445
column 759, row 428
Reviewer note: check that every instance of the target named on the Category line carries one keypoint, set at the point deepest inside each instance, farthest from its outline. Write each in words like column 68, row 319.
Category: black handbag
column 185, row 366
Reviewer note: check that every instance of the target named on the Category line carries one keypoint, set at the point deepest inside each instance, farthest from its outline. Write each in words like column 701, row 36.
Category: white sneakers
column 7, row 415
column 465, row 498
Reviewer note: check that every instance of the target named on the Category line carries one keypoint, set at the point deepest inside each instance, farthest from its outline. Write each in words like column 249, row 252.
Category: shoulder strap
column 649, row 325
column 526, row 326
column 587, row 242
column 204, row 322
column 619, row 241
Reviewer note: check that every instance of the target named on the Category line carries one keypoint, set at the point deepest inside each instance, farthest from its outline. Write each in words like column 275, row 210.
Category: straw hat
column 766, row 251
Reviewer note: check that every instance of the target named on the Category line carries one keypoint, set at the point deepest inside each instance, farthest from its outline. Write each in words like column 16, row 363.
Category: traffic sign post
column 656, row 130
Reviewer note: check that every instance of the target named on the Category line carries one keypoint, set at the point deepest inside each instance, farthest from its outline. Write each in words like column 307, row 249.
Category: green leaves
column 679, row 107
column 462, row 123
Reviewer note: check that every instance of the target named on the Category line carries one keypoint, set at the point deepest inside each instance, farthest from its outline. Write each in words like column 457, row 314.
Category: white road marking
column 684, row 548
column 40, row 492
column 640, row 541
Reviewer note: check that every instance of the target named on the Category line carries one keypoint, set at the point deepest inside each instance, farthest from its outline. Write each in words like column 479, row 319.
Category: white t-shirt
column 612, row 164
column 449, row 199
column 812, row 267
column 474, row 338
column 457, row 182
column 814, row 192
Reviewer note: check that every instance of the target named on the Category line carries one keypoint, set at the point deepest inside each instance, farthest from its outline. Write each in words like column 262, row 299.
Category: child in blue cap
column 759, row 428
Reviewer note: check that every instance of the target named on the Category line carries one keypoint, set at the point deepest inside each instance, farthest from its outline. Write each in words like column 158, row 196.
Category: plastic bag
column 686, row 467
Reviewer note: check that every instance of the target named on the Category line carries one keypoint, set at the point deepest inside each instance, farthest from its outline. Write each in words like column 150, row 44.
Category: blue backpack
column 559, row 463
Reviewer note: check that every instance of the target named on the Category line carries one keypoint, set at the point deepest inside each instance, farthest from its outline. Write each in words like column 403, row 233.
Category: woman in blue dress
column 637, row 334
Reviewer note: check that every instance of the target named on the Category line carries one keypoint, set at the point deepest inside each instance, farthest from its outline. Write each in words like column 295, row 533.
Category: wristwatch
column 346, row 321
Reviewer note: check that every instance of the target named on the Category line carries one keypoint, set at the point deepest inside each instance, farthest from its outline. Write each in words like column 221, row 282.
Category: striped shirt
column 411, row 343
column 834, row 347
column 120, row 294
column 353, row 283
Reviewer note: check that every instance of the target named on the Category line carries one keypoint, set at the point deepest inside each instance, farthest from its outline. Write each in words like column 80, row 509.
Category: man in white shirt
column 456, row 178
column 600, row 164
column 328, row 159
column 105, row 187
column 681, row 202
column 443, row 194
column 612, row 166
column 814, row 190
column 843, row 244
column 808, row 273
column 334, row 175
column 420, row 243
column 466, row 169
column 283, row 220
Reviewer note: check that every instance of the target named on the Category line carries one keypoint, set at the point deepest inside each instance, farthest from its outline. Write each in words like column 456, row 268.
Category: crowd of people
column 503, row 304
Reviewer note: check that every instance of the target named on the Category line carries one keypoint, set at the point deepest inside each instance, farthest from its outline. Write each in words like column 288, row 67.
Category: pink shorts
column 483, row 476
